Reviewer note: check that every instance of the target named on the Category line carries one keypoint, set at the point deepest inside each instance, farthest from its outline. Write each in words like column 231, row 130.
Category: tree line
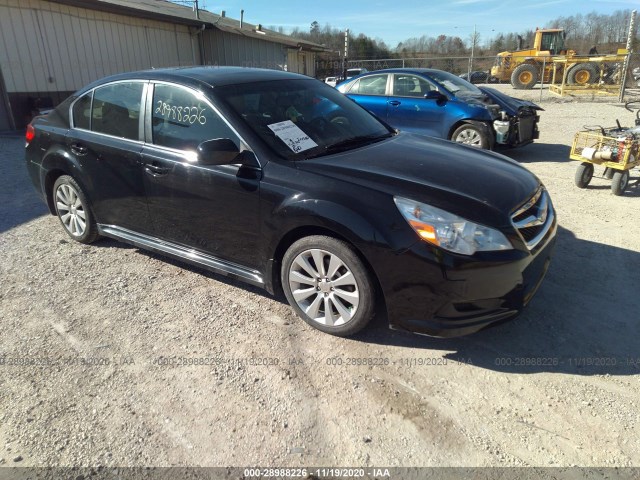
column 607, row 32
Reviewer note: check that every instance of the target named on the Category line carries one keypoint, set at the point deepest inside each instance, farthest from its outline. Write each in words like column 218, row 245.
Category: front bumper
column 523, row 130
column 465, row 297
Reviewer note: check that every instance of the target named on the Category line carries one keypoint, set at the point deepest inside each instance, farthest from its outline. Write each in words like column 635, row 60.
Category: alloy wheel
column 70, row 210
column 469, row 136
column 323, row 287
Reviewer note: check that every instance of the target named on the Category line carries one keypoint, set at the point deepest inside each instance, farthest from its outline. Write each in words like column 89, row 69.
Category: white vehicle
column 333, row 81
column 352, row 72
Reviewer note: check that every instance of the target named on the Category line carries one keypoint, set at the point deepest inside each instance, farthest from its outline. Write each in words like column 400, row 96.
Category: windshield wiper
column 351, row 142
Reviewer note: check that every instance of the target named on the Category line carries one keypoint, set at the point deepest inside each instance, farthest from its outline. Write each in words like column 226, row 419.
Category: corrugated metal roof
column 168, row 11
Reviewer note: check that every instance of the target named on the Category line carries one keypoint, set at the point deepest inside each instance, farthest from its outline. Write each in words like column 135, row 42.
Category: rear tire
column 525, row 76
column 584, row 174
column 608, row 173
column 73, row 210
column 327, row 285
column 619, row 182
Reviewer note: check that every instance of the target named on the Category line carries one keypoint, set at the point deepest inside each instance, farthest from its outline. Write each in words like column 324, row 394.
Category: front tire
column 327, row 285
column 525, row 76
column 470, row 134
column 73, row 210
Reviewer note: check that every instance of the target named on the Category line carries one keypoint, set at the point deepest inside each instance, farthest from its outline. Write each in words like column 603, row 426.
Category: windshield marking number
column 189, row 115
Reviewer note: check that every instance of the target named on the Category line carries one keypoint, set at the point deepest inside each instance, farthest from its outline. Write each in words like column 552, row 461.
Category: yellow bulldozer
column 524, row 67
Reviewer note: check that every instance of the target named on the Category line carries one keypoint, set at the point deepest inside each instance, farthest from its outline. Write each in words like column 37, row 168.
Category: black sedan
column 237, row 171
column 477, row 76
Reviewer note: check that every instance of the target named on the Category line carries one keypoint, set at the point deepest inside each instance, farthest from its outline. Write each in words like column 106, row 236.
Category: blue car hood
column 509, row 104
column 491, row 96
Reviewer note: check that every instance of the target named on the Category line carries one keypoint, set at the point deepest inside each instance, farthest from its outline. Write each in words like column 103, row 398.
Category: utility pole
column 474, row 39
column 346, row 53
column 625, row 67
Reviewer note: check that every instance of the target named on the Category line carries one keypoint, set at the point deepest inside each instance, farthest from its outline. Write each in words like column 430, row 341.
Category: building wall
column 224, row 48
column 48, row 50
column 301, row 62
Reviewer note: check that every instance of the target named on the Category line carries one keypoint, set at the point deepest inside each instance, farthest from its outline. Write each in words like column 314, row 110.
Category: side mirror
column 219, row 151
column 433, row 95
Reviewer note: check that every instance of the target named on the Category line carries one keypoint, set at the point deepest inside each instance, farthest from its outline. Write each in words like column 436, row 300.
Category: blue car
column 443, row 105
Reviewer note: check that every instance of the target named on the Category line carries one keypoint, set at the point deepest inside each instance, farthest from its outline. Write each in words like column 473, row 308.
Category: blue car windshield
column 302, row 118
column 456, row 85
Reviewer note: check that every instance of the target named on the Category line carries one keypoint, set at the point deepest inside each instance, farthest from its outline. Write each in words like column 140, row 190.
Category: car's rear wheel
column 584, row 174
column 73, row 210
column 327, row 284
column 470, row 134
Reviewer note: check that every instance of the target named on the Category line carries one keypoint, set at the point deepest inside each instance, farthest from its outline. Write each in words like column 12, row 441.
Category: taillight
column 30, row 134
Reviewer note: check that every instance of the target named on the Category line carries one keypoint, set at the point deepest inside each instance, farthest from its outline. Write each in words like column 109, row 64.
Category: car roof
column 406, row 70
column 210, row 76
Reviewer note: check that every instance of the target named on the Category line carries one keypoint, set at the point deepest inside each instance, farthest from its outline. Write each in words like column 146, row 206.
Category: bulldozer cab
column 550, row 40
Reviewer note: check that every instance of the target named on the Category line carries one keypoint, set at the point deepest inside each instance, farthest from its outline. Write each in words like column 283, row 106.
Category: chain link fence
column 609, row 73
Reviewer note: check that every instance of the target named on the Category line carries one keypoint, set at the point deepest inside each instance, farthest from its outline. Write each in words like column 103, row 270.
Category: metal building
column 50, row 48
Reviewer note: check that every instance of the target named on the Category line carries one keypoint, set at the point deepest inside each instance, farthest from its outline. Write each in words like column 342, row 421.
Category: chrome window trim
column 72, row 120
column 244, row 145
column 92, row 91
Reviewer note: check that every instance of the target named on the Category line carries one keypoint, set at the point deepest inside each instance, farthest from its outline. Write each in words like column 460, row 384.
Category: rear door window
column 116, row 110
column 371, row 85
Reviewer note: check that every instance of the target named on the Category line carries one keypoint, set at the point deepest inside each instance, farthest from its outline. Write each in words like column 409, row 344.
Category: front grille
column 534, row 219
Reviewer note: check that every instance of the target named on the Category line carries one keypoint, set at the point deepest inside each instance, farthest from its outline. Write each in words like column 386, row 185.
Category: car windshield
column 302, row 118
column 456, row 85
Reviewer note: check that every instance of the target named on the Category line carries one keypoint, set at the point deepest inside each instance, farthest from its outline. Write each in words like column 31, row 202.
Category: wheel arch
column 54, row 165
column 485, row 126
column 302, row 231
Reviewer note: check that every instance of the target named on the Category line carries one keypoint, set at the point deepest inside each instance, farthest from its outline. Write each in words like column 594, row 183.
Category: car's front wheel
column 73, row 210
column 327, row 284
column 470, row 134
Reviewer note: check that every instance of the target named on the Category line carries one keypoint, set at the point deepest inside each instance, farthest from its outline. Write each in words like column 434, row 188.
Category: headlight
column 450, row 231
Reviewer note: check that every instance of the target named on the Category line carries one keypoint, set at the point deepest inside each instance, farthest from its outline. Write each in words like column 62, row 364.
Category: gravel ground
column 559, row 386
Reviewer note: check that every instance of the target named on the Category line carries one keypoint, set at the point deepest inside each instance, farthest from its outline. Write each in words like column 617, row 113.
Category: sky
column 394, row 22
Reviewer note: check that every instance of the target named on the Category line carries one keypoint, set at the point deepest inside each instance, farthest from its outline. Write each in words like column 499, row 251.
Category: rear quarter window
column 82, row 112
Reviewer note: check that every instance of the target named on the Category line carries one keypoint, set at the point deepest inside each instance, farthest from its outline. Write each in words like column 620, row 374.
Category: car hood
column 491, row 96
column 476, row 184
column 510, row 104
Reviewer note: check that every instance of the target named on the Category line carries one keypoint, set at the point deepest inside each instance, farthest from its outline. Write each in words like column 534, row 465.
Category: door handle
column 155, row 170
column 395, row 103
column 79, row 149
